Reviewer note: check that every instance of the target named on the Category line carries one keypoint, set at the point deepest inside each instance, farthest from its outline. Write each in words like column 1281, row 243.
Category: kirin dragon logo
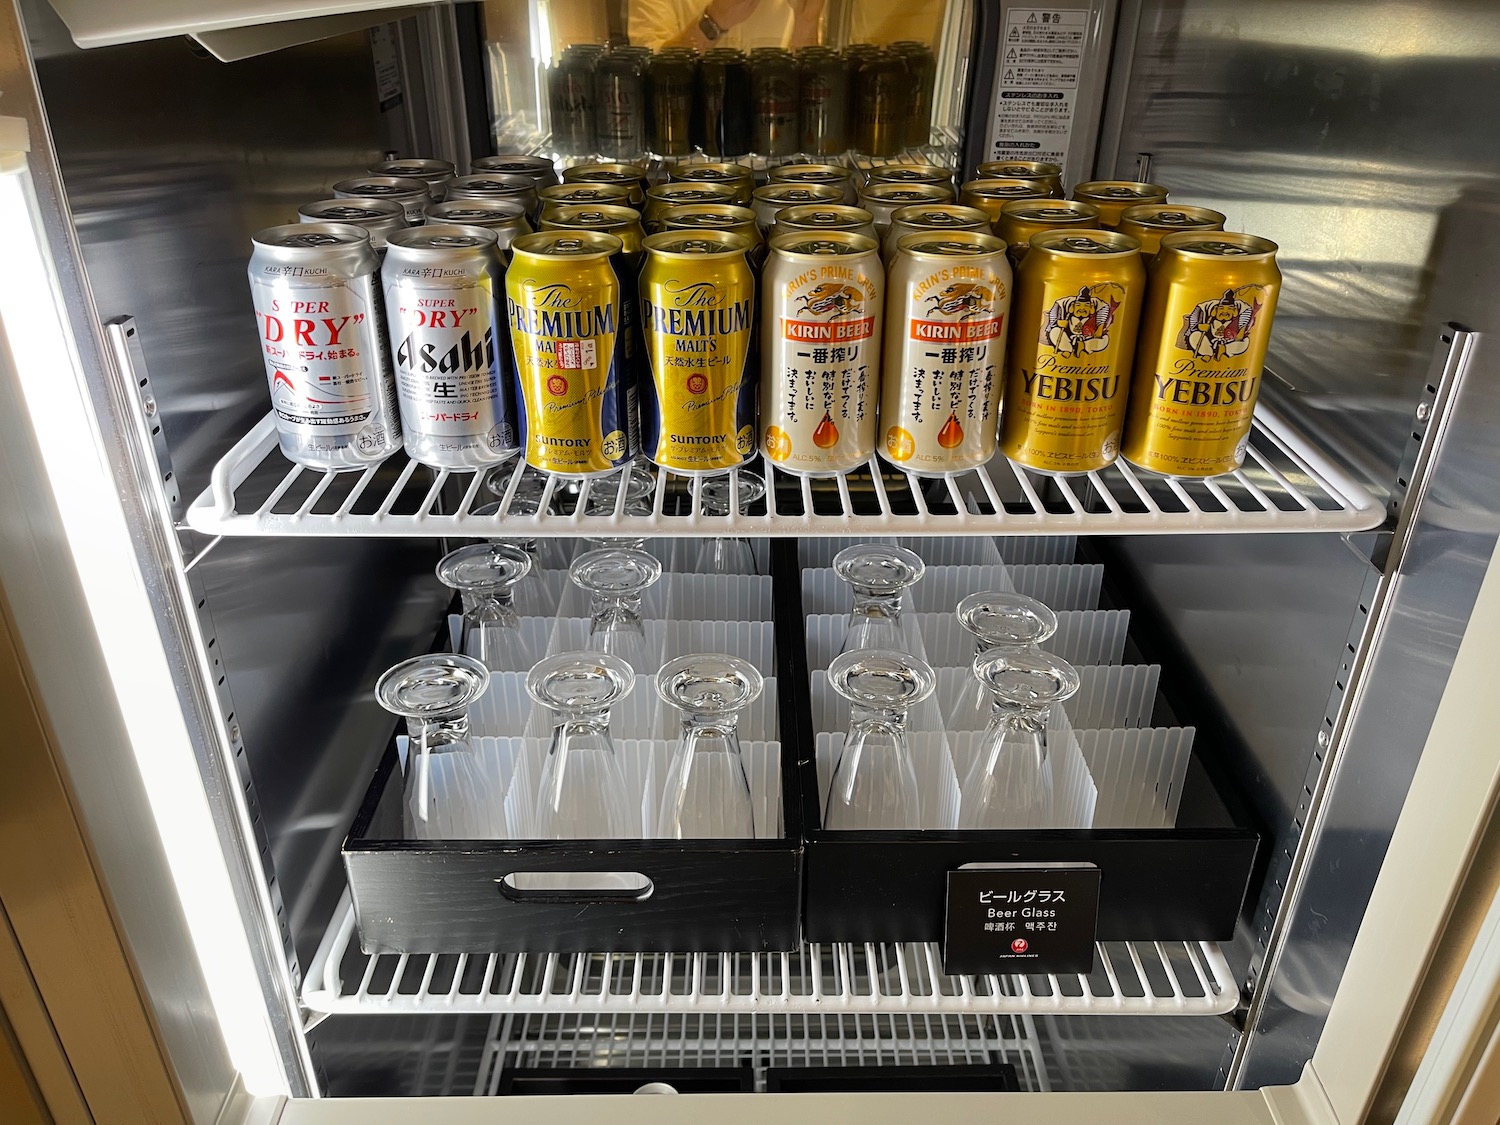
column 966, row 299
column 832, row 300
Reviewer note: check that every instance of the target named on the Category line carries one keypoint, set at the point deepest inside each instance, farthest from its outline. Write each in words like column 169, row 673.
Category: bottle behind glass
column 822, row 101
column 773, row 91
column 570, row 96
column 724, row 128
column 620, row 105
column 672, row 81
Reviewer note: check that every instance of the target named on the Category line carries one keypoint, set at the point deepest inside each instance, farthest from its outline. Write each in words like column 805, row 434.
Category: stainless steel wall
column 1360, row 137
column 171, row 160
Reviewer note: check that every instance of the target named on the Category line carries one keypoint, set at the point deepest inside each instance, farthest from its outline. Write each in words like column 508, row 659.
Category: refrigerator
column 1302, row 925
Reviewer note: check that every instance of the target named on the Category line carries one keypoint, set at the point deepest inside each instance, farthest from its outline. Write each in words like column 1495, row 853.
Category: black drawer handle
column 575, row 886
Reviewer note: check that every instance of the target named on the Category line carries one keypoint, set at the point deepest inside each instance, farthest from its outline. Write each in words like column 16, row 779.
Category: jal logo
column 697, row 384
column 1020, row 945
column 557, row 385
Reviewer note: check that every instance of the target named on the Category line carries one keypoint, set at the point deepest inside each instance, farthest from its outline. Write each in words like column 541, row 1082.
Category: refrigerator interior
column 1301, row 122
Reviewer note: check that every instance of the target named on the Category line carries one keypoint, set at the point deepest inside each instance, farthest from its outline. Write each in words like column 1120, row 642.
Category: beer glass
column 582, row 794
column 728, row 554
column 1009, row 783
column 879, row 574
column 547, row 552
column 996, row 620
column 617, row 578
column 448, row 794
column 604, row 500
column 874, row 782
column 707, row 794
column 485, row 575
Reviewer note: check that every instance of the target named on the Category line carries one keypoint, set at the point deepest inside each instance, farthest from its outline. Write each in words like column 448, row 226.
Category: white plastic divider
column 1109, row 695
column 1287, row 484
column 941, row 550
column 1060, row 586
column 1140, row 774
column 1025, row 550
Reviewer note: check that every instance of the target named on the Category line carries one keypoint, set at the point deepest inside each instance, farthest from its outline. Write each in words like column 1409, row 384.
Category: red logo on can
column 1020, row 945
column 557, row 385
column 697, row 384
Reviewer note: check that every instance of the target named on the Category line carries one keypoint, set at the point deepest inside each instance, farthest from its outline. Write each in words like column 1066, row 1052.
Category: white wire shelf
column 1286, row 485
column 1134, row 978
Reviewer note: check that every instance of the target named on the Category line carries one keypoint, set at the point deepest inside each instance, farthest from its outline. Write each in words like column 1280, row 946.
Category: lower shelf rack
column 1129, row 978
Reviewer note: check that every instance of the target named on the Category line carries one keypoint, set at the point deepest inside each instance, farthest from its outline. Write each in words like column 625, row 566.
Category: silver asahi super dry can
column 444, row 294
column 773, row 198
column 1210, row 300
column 317, row 311
column 411, row 193
column 902, row 173
column 434, row 173
column 1078, row 301
column 883, row 200
column 378, row 217
column 540, row 168
column 947, row 311
column 821, row 307
column 1042, row 171
column 506, row 219
column 697, row 317
column 931, row 217
column 577, row 399
column 1113, row 196
column 1021, row 218
column 1149, row 223
column 507, row 187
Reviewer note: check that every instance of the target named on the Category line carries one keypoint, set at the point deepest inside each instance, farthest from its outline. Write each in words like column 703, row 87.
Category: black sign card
column 1021, row 918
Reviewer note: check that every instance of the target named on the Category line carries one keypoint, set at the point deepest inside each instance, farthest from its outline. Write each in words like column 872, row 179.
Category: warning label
column 1041, row 50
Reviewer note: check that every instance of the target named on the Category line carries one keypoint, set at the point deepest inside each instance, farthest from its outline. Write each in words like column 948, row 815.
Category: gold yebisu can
column 920, row 217
column 816, row 217
column 1078, row 301
column 1209, row 304
column 697, row 403
column 946, row 313
column 632, row 177
column 715, row 216
column 883, row 200
column 1113, row 196
column 768, row 201
column 825, row 175
column 821, row 304
column 991, row 195
column 739, row 177
column 563, row 302
column 622, row 222
column 1041, row 171
column 662, row 196
column 1149, row 222
column 616, row 195
column 1021, row 218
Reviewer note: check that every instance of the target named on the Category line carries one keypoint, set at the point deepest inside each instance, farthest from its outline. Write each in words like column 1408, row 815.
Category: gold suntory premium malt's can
column 822, row 297
column 1022, row 218
column 826, row 175
column 617, row 195
column 947, row 310
column 622, row 222
column 1078, row 301
column 662, row 196
column 1150, row 222
column 737, row 176
column 991, row 195
column 884, row 199
column 698, row 317
column 629, row 176
column 564, row 307
column 931, row 217
column 715, row 216
column 1210, row 299
column 1042, row 171
column 1113, row 196
column 775, row 197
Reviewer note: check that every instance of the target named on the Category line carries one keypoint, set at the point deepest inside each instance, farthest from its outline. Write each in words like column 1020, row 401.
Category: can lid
column 496, row 183
column 418, row 167
column 1051, row 210
column 608, row 173
column 353, row 210
column 584, row 193
column 1093, row 243
column 595, row 215
column 457, row 210
column 824, row 216
column 511, row 162
column 393, row 186
column 1218, row 244
column 1002, row 189
column 311, row 236
column 1120, row 189
column 910, row 173
column 574, row 244
column 697, row 242
column 935, row 216
column 950, row 244
column 707, row 216
column 792, row 193
column 910, row 193
column 690, row 191
column 809, row 173
column 1020, row 170
column 1172, row 216
column 822, row 243
column 443, row 236
column 712, row 173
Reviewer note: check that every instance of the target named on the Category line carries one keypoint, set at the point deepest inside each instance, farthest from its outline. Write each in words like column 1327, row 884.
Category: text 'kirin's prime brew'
column 317, row 310
column 820, row 338
column 564, row 304
column 1073, row 323
column 1209, row 303
column 697, row 316
column 946, row 318
column 443, row 308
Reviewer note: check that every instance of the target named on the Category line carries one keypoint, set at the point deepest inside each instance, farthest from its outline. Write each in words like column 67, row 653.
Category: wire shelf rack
column 1286, row 485
column 1135, row 978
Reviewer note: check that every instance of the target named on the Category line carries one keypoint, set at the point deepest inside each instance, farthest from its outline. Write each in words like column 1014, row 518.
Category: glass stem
column 445, row 735
column 864, row 725
column 877, row 607
column 574, row 732
column 1010, row 720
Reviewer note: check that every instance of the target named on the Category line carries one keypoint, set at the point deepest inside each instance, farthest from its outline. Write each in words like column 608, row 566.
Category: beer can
column 822, row 297
column 620, row 105
column 827, row 175
column 905, row 173
column 412, row 194
column 737, row 176
column 570, row 97
column 716, row 216
column 931, row 217
column 883, row 200
column 814, row 217
column 632, row 177
column 698, row 317
column 614, row 194
column 434, row 173
column 495, row 186
column 565, row 304
column 1073, row 323
column 443, row 288
column 990, row 196
column 1113, row 196
column 542, row 171
column 1210, row 300
column 1021, row 218
column 770, row 200
column 622, row 222
column 506, row 219
column 947, row 306
column 1150, row 221
column 773, row 96
column 822, row 101
column 722, row 121
column 879, row 104
column 378, row 217
column 317, row 308
column 671, row 82
column 921, row 75
column 663, row 196
column 1042, row 171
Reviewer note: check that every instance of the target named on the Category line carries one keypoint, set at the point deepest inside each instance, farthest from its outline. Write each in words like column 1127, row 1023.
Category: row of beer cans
column 594, row 344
